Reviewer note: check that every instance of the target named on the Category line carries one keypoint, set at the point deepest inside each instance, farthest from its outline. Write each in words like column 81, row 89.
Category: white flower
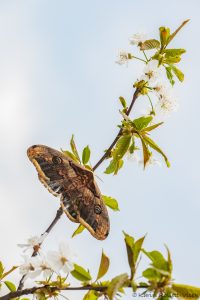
column 151, row 72
column 61, row 260
column 166, row 105
column 33, row 242
column 123, row 58
column 137, row 39
column 41, row 264
column 28, row 269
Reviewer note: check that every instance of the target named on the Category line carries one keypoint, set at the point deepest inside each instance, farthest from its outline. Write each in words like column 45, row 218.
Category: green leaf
column 123, row 102
column 142, row 122
column 86, row 155
column 172, row 60
column 70, row 154
column 116, row 284
column 150, row 128
column 179, row 74
column 146, row 153
column 120, row 163
column 80, row 273
column 10, row 286
column 132, row 146
column 158, row 261
column 74, row 149
column 170, row 75
column 137, row 248
column 121, row 147
column 164, row 35
column 91, row 295
column 129, row 241
column 150, row 44
column 176, row 31
column 186, row 291
column 173, row 52
column 111, row 167
column 151, row 274
column 154, row 146
column 104, row 266
column 79, row 229
column 1, row 269
column 110, row 202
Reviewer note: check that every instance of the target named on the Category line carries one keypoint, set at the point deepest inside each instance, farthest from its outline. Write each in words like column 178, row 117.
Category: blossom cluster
column 45, row 263
column 153, row 79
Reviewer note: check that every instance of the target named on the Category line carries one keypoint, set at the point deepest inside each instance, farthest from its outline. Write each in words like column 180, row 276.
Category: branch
column 36, row 249
column 107, row 153
column 51, row 289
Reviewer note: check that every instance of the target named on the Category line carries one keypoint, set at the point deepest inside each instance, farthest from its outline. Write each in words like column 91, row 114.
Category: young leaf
column 186, row 291
column 158, row 261
column 91, row 295
column 150, row 128
column 104, row 266
column 154, row 146
column 146, row 153
column 79, row 229
column 8, row 272
column 137, row 248
column 120, row 163
column 129, row 241
column 164, row 35
column 123, row 102
column 173, row 52
column 132, row 146
column 74, row 149
column 111, row 167
column 142, row 122
column 70, row 154
column 151, row 274
column 116, row 284
column 80, row 273
column 150, row 44
column 1, row 269
column 179, row 74
column 10, row 286
column 170, row 75
column 121, row 147
column 86, row 155
column 111, row 202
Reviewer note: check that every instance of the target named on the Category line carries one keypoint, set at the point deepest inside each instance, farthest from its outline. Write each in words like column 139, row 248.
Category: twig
column 107, row 153
column 51, row 289
column 36, row 249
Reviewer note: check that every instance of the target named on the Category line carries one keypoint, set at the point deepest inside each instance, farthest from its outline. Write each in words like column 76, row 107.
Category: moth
column 80, row 196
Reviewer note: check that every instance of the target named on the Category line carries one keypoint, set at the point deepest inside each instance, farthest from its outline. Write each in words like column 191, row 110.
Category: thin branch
column 107, row 153
column 36, row 249
column 51, row 289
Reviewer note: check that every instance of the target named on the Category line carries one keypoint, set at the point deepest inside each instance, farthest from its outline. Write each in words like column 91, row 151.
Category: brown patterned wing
column 80, row 196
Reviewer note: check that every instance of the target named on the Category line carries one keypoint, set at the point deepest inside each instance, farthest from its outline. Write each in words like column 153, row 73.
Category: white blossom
column 41, row 265
column 137, row 39
column 166, row 105
column 61, row 260
column 33, row 242
column 123, row 58
column 28, row 269
column 151, row 72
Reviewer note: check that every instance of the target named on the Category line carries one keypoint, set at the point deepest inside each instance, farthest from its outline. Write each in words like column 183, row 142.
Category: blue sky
column 57, row 77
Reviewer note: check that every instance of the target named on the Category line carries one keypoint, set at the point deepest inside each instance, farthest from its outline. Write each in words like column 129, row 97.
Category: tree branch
column 51, row 289
column 36, row 249
column 107, row 153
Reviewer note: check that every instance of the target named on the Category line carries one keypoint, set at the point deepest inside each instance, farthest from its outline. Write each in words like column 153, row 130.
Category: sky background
column 57, row 77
